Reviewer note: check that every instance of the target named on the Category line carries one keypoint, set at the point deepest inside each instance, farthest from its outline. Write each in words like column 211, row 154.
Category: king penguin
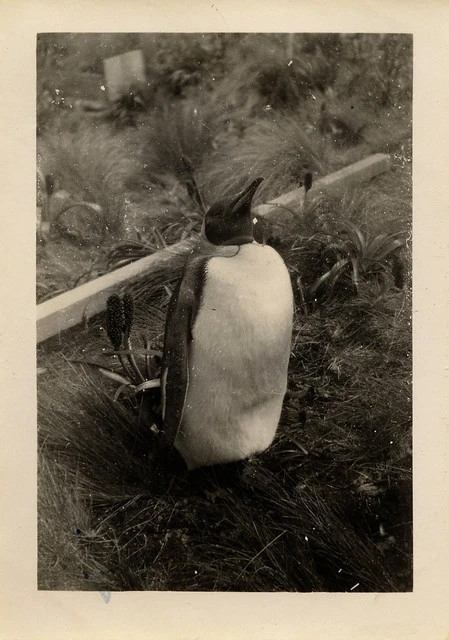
column 227, row 342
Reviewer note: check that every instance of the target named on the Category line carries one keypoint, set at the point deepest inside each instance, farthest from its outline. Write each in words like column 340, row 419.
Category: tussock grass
column 68, row 561
column 185, row 128
column 330, row 241
column 279, row 151
column 92, row 166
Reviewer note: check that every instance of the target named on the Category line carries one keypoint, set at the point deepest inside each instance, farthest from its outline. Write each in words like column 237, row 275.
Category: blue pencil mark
column 106, row 595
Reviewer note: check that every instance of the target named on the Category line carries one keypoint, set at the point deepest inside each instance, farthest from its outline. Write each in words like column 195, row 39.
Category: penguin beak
column 245, row 197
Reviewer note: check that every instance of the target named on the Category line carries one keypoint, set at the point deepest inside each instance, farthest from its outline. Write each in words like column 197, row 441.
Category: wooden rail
column 358, row 172
column 70, row 308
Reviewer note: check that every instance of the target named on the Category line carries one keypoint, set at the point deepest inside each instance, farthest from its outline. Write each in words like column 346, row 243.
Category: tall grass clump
column 280, row 151
column 345, row 236
column 92, row 166
column 186, row 128
column 67, row 563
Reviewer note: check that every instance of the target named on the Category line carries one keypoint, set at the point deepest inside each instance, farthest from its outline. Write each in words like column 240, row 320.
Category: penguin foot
column 167, row 467
column 210, row 480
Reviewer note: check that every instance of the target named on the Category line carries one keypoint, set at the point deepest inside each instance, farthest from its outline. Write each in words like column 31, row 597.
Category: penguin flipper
column 182, row 310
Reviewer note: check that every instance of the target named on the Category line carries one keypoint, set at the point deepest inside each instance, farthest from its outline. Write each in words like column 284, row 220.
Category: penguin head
column 229, row 221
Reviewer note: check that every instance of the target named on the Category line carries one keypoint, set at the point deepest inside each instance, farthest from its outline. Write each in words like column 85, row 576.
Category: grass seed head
column 115, row 321
column 308, row 178
column 128, row 312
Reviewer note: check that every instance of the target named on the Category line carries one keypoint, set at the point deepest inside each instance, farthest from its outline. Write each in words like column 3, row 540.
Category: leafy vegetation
column 328, row 506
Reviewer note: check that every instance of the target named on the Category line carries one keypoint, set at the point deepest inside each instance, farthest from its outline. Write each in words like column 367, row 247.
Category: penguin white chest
column 238, row 358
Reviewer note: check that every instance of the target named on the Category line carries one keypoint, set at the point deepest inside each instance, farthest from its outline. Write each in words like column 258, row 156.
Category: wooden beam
column 358, row 172
column 71, row 308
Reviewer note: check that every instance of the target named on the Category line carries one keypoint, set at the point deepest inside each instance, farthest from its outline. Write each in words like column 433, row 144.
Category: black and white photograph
column 223, row 338
column 224, row 360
